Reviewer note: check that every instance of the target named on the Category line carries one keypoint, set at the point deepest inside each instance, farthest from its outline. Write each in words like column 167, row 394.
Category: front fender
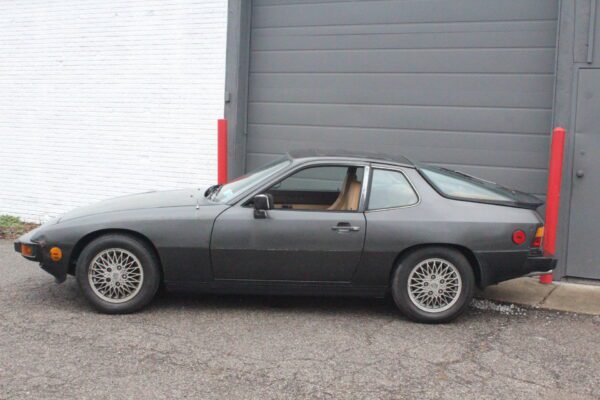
column 180, row 235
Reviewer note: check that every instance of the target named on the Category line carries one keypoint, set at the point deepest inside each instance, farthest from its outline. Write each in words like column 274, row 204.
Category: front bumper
column 37, row 250
column 58, row 269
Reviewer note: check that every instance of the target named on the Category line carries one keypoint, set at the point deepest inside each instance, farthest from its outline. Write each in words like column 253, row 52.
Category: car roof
column 348, row 155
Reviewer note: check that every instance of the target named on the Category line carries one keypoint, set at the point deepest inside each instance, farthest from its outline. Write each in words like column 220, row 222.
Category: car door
column 313, row 234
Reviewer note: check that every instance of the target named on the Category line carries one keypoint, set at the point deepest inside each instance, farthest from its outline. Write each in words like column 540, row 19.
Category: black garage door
column 466, row 84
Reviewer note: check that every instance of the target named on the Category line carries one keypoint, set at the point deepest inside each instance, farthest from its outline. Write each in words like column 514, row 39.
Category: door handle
column 579, row 173
column 343, row 227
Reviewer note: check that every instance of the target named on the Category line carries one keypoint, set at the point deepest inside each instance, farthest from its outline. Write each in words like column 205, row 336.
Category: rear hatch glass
column 460, row 186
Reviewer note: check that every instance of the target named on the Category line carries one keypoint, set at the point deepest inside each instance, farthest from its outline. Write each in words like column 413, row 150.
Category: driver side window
column 324, row 188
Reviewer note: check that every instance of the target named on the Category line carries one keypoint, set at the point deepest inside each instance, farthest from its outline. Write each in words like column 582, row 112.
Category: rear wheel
column 118, row 273
column 433, row 284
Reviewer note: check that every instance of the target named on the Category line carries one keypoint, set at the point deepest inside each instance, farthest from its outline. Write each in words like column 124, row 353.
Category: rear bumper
column 498, row 266
column 539, row 264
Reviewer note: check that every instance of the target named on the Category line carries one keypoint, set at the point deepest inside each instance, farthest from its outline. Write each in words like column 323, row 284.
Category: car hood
column 155, row 199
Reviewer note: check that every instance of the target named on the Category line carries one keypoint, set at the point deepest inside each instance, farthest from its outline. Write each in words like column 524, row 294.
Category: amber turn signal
column 539, row 236
column 55, row 254
column 26, row 250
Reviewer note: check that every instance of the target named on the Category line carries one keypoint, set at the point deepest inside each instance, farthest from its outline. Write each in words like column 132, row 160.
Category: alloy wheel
column 434, row 285
column 115, row 275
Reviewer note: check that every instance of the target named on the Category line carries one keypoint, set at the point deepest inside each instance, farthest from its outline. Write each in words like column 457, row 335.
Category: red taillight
column 519, row 237
column 539, row 236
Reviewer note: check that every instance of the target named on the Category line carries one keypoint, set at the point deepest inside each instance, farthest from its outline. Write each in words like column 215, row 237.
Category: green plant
column 9, row 221
column 12, row 227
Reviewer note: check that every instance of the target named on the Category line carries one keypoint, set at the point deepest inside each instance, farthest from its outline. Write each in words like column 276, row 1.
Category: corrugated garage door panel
column 467, row 84
column 329, row 13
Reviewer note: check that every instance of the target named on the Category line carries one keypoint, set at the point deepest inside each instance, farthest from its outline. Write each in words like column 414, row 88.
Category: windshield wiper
column 211, row 190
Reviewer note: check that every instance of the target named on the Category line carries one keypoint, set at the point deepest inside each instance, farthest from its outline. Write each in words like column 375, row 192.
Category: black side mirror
column 262, row 203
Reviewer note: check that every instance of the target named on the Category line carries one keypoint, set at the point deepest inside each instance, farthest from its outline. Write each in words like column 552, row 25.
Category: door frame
column 237, row 78
column 240, row 202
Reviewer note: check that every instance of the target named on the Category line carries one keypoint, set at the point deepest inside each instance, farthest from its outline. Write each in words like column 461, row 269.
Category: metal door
column 583, row 259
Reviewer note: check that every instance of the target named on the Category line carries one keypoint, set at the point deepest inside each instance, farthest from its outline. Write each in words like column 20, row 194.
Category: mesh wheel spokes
column 434, row 285
column 115, row 275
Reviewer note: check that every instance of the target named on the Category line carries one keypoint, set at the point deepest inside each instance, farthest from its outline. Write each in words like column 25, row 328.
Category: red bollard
column 546, row 279
column 553, row 195
column 222, row 152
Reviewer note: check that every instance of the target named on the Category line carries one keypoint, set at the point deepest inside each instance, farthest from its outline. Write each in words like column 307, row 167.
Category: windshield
column 461, row 186
column 224, row 193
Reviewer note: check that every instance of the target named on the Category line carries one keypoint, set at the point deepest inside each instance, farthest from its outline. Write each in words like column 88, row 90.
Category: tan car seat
column 349, row 195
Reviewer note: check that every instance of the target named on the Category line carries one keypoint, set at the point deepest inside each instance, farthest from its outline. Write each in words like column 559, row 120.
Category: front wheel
column 118, row 274
column 433, row 284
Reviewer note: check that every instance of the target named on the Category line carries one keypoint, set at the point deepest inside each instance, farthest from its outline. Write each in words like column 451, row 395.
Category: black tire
column 409, row 307
column 149, row 265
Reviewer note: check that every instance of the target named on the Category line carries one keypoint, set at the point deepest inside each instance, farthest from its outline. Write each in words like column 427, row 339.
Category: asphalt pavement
column 53, row 345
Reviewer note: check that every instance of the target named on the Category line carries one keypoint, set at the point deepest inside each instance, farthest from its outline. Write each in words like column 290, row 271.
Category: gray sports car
column 309, row 223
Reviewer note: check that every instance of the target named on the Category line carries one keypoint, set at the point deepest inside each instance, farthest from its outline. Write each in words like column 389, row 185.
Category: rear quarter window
column 390, row 189
column 456, row 185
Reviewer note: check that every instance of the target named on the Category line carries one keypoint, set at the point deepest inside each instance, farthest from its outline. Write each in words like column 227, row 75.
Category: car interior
column 324, row 188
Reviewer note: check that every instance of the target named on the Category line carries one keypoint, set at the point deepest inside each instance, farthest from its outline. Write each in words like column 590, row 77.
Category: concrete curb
column 571, row 297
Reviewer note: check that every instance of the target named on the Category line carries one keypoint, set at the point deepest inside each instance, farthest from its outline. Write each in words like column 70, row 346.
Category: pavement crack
column 547, row 295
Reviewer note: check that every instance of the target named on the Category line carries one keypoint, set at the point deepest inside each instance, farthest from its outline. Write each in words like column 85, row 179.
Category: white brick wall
column 105, row 98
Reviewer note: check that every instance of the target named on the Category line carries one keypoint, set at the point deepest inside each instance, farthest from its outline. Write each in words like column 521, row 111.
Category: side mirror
column 262, row 203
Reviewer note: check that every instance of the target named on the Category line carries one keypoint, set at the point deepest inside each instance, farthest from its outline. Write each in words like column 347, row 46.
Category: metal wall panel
column 585, row 218
column 466, row 84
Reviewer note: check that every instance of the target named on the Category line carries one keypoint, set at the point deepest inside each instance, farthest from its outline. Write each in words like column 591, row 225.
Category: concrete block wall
column 101, row 99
